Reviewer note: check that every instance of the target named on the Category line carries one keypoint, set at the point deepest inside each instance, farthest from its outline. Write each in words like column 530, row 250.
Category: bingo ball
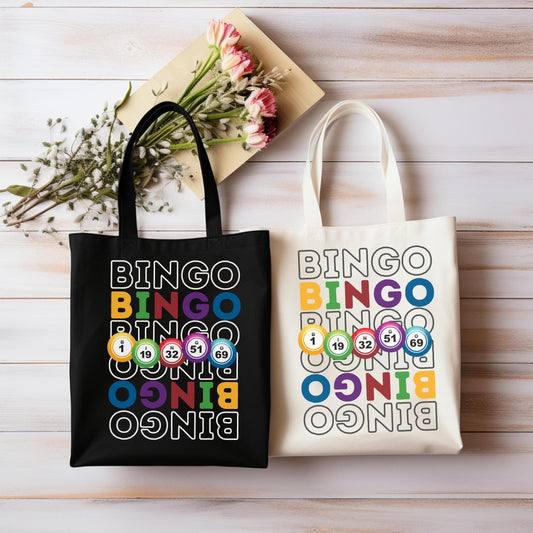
column 223, row 353
column 338, row 344
column 146, row 353
column 311, row 339
column 119, row 346
column 196, row 347
column 364, row 343
column 171, row 353
column 390, row 336
column 417, row 341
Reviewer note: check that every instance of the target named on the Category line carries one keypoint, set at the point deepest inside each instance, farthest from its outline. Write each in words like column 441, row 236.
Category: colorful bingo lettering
column 180, row 384
column 366, row 350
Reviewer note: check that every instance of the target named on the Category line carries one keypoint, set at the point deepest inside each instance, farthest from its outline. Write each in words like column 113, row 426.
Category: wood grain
column 317, row 515
column 480, row 259
column 346, row 4
column 427, row 120
column 492, row 465
column 389, row 44
column 495, row 397
column 497, row 331
column 493, row 331
column 492, row 264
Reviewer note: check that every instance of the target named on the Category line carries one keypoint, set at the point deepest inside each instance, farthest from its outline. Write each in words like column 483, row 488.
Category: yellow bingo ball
column 119, row 346
column 311, row 339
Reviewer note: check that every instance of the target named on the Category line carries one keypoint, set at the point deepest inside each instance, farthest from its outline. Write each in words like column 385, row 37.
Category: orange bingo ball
column 119, row 346
column 311, row 339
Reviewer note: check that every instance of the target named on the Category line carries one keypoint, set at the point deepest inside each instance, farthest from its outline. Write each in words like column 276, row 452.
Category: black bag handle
column 126, row 187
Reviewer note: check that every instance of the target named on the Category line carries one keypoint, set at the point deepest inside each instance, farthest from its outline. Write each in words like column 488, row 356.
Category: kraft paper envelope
column 298, row 94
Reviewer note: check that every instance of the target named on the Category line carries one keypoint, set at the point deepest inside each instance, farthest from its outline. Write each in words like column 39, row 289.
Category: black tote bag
column 170, row 339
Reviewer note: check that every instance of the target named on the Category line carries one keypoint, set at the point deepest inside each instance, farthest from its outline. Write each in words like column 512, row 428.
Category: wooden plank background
column 453, row 82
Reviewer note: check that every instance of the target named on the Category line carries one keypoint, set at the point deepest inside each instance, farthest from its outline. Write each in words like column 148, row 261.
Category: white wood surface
column 364, row 44
column 418, row 516
column 454, row 83
column 492, row 465
column 346, row 4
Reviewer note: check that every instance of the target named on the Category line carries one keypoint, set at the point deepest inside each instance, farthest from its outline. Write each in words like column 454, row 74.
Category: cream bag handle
column 313, row 167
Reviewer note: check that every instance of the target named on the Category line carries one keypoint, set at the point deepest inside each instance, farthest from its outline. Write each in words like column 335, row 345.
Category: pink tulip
column 261, row 103
column 236, row 61
column 270, row 127
column 257, row 136
column 222, row 34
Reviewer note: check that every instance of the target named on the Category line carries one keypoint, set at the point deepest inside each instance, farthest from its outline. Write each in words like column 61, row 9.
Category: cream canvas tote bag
column 365, row 326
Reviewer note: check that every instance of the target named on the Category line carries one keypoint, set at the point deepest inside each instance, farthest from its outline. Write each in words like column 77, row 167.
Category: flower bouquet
column 231, row 97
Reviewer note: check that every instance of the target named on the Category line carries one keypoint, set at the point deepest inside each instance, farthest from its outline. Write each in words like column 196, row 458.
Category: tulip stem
column 200, row 92
column 232, row 113
column 210, row 142
column 211, row 60
column 15, row 222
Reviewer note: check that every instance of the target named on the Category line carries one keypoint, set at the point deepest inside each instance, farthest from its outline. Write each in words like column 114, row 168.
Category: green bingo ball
column 145, row 353
column 338, row 344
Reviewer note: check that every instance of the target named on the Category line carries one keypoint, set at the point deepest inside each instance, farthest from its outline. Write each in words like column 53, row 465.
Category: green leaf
column 79, row 176
column 109, row 156
column 47, row 144
column 126, row 96
column 23, row 167
column 109, row 151
column 20, row 190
